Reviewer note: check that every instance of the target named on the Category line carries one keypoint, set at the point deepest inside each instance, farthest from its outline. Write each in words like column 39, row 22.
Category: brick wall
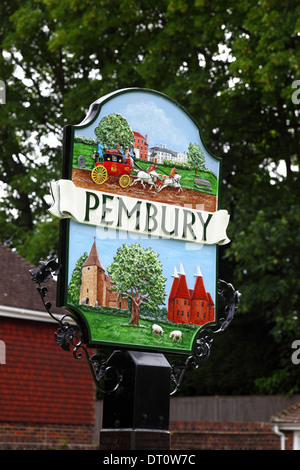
column 222, row 422
column 25, row 436
column 46, row 396
column 191, row 435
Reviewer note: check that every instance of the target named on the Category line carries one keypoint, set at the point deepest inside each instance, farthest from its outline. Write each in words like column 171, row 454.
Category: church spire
column 93, row 258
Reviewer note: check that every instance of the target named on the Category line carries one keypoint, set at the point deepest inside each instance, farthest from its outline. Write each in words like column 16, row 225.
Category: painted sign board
column 140, row 224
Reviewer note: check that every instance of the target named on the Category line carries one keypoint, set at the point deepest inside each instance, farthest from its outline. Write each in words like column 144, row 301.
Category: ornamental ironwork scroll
column 69, row 334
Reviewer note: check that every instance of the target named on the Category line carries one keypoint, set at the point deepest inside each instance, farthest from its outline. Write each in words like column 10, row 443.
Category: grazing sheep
column 176, row 335
column 157, row 330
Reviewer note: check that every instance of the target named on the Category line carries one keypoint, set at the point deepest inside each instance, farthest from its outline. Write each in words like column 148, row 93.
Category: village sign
column 140, row 227
column 138, row 202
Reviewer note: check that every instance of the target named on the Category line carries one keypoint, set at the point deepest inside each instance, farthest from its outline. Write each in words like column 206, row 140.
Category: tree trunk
column 136, row 303
column 135, row 314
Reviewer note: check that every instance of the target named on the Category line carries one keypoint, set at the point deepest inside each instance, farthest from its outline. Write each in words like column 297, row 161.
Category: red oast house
column 190, row 305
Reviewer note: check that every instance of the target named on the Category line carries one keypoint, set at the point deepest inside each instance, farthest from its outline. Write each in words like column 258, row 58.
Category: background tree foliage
column 232, row 66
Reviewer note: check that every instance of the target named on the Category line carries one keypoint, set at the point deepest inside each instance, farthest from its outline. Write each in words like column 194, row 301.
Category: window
column 296, row 440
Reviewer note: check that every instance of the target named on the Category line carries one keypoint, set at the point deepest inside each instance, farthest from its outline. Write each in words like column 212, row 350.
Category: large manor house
column 156, row 154
column 190, row 305
column 96, row 286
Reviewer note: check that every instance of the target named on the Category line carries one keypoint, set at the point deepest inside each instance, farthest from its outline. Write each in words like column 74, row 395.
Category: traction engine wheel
column 99, row 174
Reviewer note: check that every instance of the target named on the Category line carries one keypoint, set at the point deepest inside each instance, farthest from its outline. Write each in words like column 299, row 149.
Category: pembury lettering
column 134, row 215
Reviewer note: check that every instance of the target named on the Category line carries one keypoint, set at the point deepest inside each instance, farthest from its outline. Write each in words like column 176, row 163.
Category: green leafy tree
column 75, row 282
column 114, row 130
column 230, row 64
column 137, row 273
column 195, row 157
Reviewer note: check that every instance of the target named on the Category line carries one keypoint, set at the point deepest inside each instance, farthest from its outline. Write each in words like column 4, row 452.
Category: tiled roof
column 93, row 258
column 39, row 381
column 199, row 289
column 288, row 415
column 210, row 300
column 174, row 287
column 164, row 150
column 17, row 288
column 182, row 290
column 137, row 134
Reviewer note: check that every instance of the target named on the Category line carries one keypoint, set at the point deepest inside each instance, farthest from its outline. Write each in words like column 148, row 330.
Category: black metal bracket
column 228, row 299
column 69, row 335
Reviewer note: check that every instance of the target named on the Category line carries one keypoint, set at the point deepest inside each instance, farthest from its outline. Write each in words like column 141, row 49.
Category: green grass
column 87, row 152
column 187, row 176
column 115, row 328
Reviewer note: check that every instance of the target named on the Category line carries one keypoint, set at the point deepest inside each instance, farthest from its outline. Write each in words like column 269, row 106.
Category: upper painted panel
column 159, row 132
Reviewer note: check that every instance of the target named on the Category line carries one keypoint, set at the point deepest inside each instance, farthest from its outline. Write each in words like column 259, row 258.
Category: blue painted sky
column 162, row 120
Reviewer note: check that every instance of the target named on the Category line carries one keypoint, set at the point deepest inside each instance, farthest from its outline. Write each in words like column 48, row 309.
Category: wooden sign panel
column 140, row 224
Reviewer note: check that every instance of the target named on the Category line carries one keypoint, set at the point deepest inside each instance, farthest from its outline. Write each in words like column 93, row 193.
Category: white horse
column 173, row 182
column 149, row 177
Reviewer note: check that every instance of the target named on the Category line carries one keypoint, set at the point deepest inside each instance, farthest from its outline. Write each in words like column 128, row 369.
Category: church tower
column 93, row 288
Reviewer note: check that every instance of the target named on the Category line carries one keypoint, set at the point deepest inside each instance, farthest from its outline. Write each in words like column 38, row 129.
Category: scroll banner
column 134, row 215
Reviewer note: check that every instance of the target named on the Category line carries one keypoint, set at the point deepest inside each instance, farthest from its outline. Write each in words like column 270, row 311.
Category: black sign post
column 136, row 415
